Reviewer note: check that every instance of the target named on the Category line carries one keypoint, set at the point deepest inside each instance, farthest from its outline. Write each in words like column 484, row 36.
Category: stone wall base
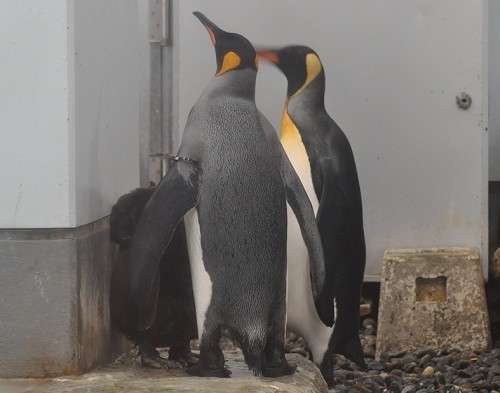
column 54, row 301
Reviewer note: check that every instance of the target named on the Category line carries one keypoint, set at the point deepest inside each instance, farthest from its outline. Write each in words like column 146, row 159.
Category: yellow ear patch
column 313, row 67
column 230, row 62
column 257, row 62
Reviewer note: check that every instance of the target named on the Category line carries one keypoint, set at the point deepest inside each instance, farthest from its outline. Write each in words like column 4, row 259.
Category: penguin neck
column 310, row 97
column 240, row 83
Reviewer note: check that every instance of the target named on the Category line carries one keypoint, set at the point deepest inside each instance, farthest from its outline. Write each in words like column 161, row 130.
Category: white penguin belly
column 202, row 285
column 302, row 317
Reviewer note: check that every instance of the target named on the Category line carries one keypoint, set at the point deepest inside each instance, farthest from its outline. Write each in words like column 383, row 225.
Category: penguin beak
column 213, row 30
column 269, row 55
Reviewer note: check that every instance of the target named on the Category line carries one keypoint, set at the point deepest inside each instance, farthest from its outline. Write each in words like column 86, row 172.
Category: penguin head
column 300, row 64
column 233, row 51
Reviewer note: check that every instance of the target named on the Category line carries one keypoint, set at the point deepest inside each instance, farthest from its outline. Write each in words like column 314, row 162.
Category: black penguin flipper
column 174, row 197
column 333, row 203
column 298, row 200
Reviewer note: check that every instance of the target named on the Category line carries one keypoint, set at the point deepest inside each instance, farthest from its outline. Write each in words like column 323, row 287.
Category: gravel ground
column 447, row 370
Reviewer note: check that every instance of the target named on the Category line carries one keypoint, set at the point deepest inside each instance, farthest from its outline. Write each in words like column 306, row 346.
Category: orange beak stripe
column 210, row 33
column 269, row 56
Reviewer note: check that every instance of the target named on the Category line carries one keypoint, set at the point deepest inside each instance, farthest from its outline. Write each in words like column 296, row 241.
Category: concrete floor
column 130, row 376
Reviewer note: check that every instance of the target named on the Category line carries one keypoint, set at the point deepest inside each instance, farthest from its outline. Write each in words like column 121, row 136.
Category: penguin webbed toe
column 198, row 370
column 151, row 358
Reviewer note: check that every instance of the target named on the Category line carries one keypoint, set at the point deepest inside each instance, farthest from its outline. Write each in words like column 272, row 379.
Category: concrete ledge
column 131, row 377
column 431, row 298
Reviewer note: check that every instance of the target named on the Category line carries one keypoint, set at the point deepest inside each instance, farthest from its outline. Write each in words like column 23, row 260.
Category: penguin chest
column 297, row 154
column 202, row 284
column 302, row 317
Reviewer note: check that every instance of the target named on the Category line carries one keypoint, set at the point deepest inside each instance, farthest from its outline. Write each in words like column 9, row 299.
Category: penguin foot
column 198, row 370
column 189, row 359
column 327, row 372
column 156, row 361
column 183, row 355
column 352, row 350
column 278, row 371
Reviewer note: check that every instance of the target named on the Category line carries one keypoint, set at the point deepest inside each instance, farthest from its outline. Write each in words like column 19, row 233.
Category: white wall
column 494, row 128
column 69, row 109
column 34, row 101
column 393, row 69
column 107, row 71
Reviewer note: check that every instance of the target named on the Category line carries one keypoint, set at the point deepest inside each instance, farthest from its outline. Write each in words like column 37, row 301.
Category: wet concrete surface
column 127, row 375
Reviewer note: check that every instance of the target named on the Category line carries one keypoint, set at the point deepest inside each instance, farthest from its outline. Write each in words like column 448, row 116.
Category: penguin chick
column 321, row 154
column 230, row 181
column 174, row 316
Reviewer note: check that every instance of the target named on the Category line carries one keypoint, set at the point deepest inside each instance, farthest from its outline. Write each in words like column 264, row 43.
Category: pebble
column 443, row 370
column 428, row 371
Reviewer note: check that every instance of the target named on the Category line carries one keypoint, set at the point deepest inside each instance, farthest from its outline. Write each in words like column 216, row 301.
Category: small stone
column 409, row 389
column 410, row 357
column 439, row 376
column 476, row 378
column 409, row 367
column 396, row 364
column 395, row 387
column 397, row 372
column 368, row 352
column 464, row 374
column 428, row 371
column 417, row 370
column 376, row 365
column 384, row 357
column 490, row 360
column 430, row 352
column 495, row 369
column 396, row 354
column 424, row 359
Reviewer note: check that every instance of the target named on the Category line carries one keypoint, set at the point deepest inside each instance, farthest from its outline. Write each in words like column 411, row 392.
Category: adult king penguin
column 232, row 178
column 322, row 156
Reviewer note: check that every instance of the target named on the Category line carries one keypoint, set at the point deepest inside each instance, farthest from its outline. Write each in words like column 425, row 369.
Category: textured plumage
column 233, row 187
column 322, row 156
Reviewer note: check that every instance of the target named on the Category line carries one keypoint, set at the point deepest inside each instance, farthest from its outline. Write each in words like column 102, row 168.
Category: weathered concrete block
column 54, row 301
column 432, row 298
column 132, row 377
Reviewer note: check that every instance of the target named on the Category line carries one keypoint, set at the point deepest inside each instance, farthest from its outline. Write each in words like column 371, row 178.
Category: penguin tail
column 252, row 345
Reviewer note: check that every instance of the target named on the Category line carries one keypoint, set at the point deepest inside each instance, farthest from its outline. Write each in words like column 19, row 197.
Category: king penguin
column 230, row 181
column 323, row 158
column 175, row 316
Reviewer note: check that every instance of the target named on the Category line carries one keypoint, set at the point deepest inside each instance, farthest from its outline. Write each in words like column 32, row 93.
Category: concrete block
column 132, row 377
column 432, row 298
column 54, row 301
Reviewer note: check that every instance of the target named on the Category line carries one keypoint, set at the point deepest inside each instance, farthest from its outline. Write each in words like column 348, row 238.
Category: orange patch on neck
column 230, row 62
